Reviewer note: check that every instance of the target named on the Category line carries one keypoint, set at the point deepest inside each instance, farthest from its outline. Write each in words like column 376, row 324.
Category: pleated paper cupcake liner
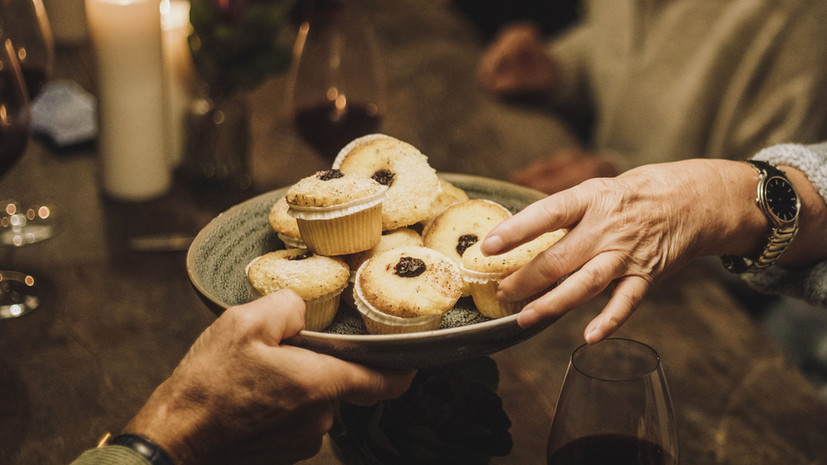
column 378, row 322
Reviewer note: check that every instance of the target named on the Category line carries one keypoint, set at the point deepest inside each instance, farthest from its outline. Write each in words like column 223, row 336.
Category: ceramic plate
column 220, row 252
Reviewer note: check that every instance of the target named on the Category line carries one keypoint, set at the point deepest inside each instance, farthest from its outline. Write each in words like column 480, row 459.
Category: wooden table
column 115, row 322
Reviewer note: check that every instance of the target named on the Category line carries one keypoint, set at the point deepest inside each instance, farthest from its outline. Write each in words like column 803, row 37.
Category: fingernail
column 491, row 245
column 593, row 332
column 527, row 317
column 592, row 335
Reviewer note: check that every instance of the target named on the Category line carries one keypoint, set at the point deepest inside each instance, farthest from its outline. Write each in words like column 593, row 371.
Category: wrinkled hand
column 628, row 231
column 517, row 62
column 564, row 169
column 240, row 396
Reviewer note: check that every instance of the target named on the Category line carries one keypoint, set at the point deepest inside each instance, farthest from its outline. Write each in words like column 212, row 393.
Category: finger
column 551, row 180
column 591, row 279
column 273, row 317
column 568, row 254
column 362, row 385
column 540, row 170
column 544, row 185
column 538, row 275
column 549, row 214
column 625, row 299
column 535, row 171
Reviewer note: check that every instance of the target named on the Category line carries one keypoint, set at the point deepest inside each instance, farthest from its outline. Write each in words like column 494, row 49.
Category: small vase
column 218, row 143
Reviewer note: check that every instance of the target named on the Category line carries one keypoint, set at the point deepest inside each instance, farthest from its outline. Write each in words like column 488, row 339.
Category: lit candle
column 126, row 37
column 180, row 74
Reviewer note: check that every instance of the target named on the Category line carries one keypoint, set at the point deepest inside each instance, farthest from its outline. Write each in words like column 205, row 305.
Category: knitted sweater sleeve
column 807, row 283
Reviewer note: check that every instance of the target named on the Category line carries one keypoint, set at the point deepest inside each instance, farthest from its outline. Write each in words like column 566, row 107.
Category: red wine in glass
column 26, row 31
column 28, row 28
column 13, row 139
column 15, row 124
column 614, row 408
column 35, row 76
column 337, row 87
column 328, row 128
column 610, row 449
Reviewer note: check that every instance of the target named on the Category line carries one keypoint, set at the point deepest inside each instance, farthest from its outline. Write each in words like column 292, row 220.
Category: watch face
column 782, row 200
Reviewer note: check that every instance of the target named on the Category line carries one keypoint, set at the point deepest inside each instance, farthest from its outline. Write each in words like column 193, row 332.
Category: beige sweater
column 675, row 79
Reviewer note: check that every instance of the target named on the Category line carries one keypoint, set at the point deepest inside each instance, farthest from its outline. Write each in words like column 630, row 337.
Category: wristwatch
column 780, row 203
column 150, row 451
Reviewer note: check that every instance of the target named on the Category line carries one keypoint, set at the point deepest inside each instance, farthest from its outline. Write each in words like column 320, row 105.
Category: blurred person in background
column 665, row 80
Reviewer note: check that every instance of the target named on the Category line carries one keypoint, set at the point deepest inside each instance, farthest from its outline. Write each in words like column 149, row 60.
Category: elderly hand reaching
column 629, row 231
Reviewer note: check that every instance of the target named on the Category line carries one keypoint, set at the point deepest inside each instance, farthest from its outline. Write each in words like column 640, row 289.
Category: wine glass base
column 18, row 294
column 23, row 226
column 27, row 235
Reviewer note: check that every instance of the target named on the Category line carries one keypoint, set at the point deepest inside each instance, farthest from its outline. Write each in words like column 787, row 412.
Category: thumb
column 279, row 315
column 366, row 386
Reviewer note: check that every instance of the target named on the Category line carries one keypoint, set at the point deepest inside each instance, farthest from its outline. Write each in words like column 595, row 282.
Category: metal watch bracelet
column 778, row 243
column 781, row 235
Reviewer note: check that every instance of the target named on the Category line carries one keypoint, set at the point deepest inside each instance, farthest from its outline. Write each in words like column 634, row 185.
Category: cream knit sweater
column 675, row 79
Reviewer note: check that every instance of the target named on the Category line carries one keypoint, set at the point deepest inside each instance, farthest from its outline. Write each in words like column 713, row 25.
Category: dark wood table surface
column 114, row 323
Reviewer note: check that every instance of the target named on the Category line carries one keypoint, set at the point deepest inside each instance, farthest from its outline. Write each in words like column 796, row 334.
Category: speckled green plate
column 221, row 251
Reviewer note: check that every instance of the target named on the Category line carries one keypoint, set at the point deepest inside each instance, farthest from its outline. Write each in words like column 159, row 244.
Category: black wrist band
column 148, row 449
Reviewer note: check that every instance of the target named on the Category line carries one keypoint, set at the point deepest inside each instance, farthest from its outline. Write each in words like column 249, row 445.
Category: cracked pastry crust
column 413, row 184
column 410, row 281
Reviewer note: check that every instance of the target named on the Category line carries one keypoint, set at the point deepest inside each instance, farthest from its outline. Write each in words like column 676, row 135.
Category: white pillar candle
column 126, row 37
column 180, row 74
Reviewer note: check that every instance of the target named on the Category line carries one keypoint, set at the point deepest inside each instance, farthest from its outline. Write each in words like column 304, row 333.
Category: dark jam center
column 383, row 177
column 465, row 241
column 329, row 174
column 409, row 267
column 301, row 256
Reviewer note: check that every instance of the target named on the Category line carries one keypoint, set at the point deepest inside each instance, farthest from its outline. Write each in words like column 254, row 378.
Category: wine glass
column 18, row 291
column 26, row 24
column 28, row 27
column 614, row 408
column 336, row 89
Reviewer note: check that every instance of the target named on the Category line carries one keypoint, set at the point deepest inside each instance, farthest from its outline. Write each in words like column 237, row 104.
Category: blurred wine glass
column 28, row 27
column 25, row 23
column 337, row 88
column 18, row 291
column 614, row 408
column 15, row 111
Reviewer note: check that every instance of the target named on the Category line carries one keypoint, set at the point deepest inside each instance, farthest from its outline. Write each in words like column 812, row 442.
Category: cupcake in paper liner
column 285, row 226
column 390, row 240
column 362, row 140
column 406, row 289
column 462, row 225
column 413, row 185
column 337, row 214
column 449, row 195
column 484, row 273
column 317, row 279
